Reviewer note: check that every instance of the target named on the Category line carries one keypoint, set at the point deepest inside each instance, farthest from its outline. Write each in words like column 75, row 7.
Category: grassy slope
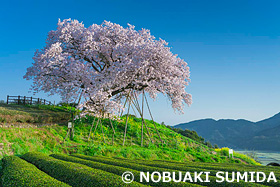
column 38, row 114
column 49, row 139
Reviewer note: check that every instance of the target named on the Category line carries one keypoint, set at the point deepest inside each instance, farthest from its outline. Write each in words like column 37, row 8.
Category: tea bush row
column 18, row 172
column 75, row 174
column 145, row 168
column 116, row 170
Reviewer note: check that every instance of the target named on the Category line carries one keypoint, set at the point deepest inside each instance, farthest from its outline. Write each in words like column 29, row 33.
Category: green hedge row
column 194, row 166
column 222, row 165
column 233, row 168
column 17, row 172
column 190, row 167
column 213, row 165
column 75, row 174
column 211, row 169
column 145, row 168
column 226, row 166
column 116, row 170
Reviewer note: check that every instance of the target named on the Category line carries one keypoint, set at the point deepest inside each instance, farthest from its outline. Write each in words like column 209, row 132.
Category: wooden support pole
column 152, row 118
column 148, row 130
column 74, row 114
column 125, row 102
column 129, row 103
column 7, row 99
column 112, row 125
column 91, row 128
column 80, row 97
column 142, row 127
column 68, row 131
column 18, row 100
column 123, row 106
column 133, row 110
column 141, row 114
column 113, row 139
column 112, row 129
column 72, row 129
column 102, row 132
column 95, row 128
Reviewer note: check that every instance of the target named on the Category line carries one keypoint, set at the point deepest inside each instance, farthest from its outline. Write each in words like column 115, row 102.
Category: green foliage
column 75, row 174
column 161, row 166
column 191, row 134
column 49, row 139
column 214, row 167
column 224, row 152
column 18, row 172
column 118, row 170
column 82, row 170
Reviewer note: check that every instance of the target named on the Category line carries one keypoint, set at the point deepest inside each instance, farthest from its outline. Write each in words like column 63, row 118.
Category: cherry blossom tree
column 104, row 63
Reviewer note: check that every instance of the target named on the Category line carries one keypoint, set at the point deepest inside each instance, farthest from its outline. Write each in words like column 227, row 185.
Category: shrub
column 75, row 174
column 18, row 172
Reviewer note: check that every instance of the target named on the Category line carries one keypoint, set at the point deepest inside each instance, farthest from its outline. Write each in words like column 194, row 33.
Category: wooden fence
column 23, row 100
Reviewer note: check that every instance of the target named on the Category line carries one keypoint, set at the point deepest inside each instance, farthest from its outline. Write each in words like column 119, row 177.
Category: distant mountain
column 271, row 122
column 239, row 134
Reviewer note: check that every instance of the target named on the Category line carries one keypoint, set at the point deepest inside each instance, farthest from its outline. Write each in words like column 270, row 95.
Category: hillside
column 32, row 114
column 239, row 134
column 49, row 139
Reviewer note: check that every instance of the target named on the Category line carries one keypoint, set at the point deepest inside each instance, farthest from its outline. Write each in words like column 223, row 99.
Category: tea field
column 39, row 169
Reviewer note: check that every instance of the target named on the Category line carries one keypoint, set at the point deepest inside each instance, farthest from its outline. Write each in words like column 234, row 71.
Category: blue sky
column 232, row 47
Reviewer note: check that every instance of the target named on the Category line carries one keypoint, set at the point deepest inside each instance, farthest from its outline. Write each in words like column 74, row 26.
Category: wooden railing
column 23, row 100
